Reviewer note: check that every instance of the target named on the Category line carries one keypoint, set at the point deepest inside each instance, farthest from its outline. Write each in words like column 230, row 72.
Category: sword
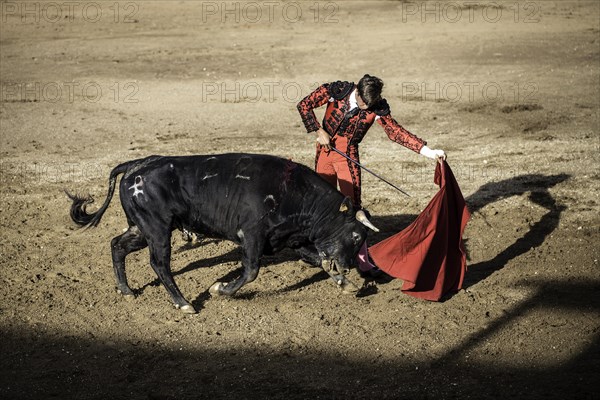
column 369, row 171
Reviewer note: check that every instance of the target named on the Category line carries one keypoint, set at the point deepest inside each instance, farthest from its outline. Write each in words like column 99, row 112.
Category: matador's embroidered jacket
column 353, row 124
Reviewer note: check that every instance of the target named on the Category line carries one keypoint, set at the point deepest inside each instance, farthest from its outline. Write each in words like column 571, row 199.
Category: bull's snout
column 341, row 269
column 334, row 265
column 343, row 282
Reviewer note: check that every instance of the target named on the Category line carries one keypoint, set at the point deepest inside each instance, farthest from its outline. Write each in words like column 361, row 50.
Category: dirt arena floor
column 510, row 90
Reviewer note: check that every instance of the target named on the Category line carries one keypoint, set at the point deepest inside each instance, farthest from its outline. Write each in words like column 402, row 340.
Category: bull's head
column 344, row 236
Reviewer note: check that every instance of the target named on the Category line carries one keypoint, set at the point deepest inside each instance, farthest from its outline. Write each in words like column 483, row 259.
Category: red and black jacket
column 355, row 126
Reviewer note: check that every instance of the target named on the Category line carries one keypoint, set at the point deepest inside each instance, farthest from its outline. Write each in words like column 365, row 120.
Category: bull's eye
column 355, row 238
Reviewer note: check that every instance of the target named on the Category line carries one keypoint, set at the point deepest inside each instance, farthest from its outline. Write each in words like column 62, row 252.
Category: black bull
column 263, row 203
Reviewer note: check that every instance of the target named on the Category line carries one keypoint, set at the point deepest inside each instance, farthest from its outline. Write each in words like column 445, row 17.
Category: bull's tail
column 78, row 209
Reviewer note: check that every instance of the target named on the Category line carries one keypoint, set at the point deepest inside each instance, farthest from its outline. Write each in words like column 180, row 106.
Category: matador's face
column 361, row 103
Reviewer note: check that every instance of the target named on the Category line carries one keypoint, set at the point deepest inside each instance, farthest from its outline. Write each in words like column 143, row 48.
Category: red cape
column 429, row 254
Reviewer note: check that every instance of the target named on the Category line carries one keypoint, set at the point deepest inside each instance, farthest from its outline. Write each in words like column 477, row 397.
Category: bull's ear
column 346, row 205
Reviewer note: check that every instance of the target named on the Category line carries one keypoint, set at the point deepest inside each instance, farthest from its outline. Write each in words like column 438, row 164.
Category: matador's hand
column 323, row 138
column 433, row 154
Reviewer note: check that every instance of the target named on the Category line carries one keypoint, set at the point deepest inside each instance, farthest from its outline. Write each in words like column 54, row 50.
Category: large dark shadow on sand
column 55, row 365
column 538, row 188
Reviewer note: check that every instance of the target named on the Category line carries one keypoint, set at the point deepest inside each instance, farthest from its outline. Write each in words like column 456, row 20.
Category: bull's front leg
column 252, row 251
column 309, row 255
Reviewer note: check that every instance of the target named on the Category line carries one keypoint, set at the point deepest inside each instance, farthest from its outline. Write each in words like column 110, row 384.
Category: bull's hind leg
column 160, row 260
column 130, row 241
column 252, row 251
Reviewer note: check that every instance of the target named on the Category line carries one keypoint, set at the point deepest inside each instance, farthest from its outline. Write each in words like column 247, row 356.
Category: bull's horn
column 362, row 218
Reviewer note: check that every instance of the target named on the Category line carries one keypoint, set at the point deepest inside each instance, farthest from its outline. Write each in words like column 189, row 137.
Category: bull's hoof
column 186, row 235
column 186, row 308
column 126, row 292
column 216, row 289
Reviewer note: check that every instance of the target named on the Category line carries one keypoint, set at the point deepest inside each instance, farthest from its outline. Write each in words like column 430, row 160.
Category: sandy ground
column 509, row 89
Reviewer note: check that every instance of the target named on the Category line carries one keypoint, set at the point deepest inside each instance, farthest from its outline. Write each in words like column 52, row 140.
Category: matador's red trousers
column 338, row 170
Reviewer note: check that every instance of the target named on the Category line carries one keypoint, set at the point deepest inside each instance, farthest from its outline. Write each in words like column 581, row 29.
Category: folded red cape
column 429, row 254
